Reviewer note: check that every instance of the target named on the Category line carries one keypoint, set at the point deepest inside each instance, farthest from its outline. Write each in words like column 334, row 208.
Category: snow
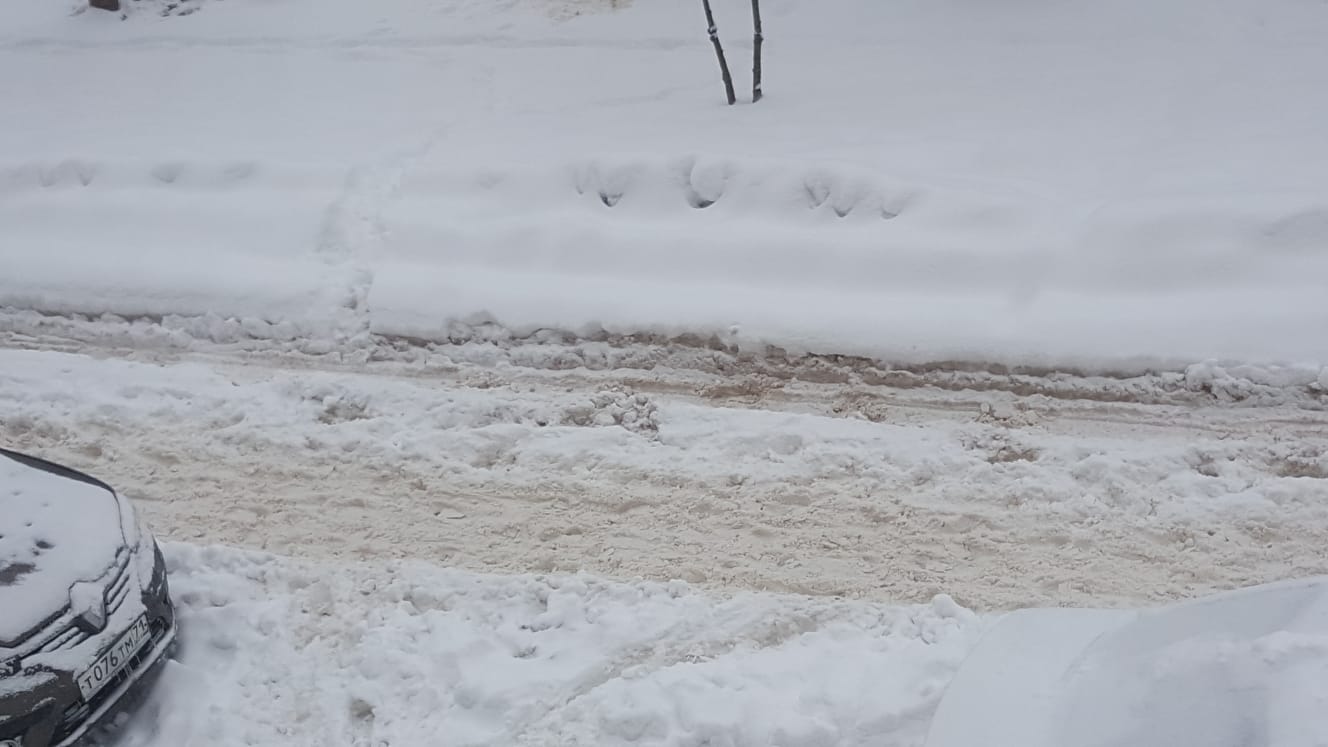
column 725, row 479
column 402, row 653
column 495, row 383
column 1139, row 190
column 1246, row 667
column 1008, row 689
column 54, row 532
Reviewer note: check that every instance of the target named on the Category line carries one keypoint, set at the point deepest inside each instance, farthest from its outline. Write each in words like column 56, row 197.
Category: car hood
column 56, row 529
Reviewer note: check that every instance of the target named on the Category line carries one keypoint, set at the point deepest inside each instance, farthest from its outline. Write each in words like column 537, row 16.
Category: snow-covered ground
column 1103, row 185
column 855, row 489
column 494, row 383
column 400, row 653
column 837, row 502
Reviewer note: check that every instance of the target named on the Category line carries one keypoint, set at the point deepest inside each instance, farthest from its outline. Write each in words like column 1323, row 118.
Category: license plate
column 115, row 658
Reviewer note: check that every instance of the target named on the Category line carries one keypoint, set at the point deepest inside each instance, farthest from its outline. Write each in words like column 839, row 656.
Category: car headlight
column 142, row 545
column 145, row 558
column 129, row 525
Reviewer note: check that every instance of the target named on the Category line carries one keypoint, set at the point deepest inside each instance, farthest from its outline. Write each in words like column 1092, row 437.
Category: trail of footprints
column 703, row 188
column 75, row 172
column 699, row 187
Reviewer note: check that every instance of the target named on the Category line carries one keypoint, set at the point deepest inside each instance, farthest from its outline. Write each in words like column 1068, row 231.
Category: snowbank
column 400, row 653
column 407, row 653
column 1246, row 667
column 1077, row 184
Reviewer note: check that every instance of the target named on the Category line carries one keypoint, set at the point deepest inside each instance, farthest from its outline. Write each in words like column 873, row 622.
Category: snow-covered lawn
column 1105, row 185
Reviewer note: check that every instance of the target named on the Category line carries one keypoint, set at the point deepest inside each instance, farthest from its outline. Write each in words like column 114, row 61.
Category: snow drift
column 1246, row 667
column 282, row 652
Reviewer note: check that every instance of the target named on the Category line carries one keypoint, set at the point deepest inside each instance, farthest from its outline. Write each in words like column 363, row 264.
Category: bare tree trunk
column 757, row 38
column 719, row 52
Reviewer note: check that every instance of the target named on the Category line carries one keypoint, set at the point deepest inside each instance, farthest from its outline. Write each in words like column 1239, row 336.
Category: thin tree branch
column 757, row 38
column 719, row 52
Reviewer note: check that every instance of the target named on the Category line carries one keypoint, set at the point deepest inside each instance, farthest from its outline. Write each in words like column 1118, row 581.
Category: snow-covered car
column 85, row 612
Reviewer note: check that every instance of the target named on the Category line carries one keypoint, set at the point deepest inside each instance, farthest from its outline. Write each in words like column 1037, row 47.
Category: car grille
column 76, row 714
column 67, row 634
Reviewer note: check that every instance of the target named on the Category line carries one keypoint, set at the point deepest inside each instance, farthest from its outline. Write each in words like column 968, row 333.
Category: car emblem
column 88, row 602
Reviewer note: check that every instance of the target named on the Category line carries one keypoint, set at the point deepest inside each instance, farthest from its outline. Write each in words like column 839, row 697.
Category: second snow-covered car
column 85, row 612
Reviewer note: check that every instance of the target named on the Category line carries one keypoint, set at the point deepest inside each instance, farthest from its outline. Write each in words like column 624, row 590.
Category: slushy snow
column 725, row 479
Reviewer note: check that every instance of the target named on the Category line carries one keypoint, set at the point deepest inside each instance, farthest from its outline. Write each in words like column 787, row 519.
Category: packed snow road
column 819, row 480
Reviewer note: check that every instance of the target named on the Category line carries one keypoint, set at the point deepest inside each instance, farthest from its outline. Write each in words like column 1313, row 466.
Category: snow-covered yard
column 496, row 384
column 1108, row 186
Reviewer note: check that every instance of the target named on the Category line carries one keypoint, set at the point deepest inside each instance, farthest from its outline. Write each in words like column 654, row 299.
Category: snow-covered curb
column 483, row 343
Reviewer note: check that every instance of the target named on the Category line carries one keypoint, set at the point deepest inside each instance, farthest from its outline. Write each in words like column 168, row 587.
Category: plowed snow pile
column 497, row 384
column 407, row 654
